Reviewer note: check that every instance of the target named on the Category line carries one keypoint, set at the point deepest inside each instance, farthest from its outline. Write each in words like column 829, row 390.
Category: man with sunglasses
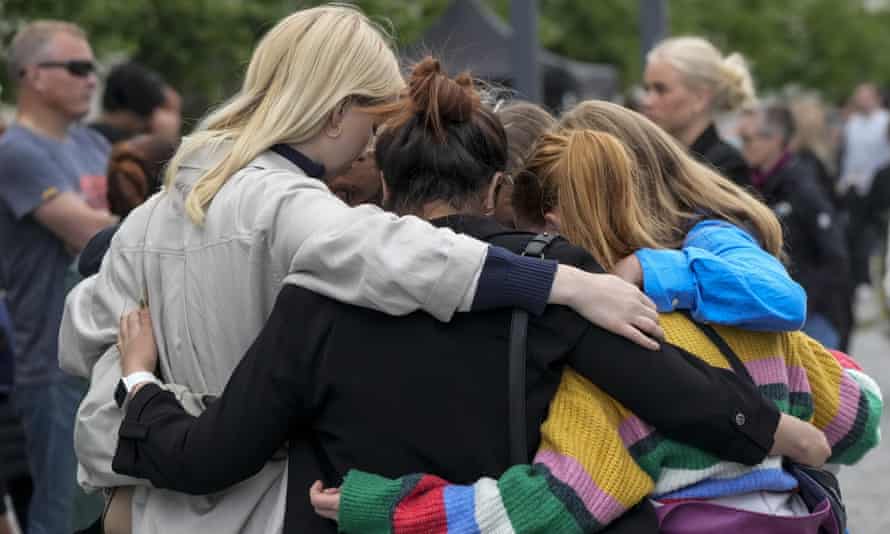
column 52, row 200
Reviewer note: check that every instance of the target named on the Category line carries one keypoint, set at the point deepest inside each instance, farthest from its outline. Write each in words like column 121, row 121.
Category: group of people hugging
column 264, row 357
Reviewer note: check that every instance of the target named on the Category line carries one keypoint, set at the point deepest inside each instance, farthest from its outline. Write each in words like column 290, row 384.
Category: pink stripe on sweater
column 775, row 370
column 843, row 421
column 798, row 381
column 770, row 370
column 602, row 506
column 633, row 430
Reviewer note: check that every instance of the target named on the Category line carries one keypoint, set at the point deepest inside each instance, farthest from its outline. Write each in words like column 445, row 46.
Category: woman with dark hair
column 343, row 384
column 524, row 123
column 135, row 172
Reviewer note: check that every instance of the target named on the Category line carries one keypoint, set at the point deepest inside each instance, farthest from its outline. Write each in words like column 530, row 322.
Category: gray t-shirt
column 33, row 261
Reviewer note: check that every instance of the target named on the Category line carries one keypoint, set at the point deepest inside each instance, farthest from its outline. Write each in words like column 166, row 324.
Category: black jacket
column 877, row 203
column 814, row 237
column 353, row 388
column 728, row 161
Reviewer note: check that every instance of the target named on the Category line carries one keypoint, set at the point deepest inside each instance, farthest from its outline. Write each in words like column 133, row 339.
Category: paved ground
column 866, row 486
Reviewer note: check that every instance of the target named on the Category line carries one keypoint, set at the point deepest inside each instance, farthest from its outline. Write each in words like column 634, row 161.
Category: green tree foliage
column 202, row 46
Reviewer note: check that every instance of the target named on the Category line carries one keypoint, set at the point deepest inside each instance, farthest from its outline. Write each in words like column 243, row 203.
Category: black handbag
column 516, row 429
column 815, row 485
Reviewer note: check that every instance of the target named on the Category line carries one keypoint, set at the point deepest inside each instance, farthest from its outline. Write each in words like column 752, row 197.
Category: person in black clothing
column 815, row 240
column 133, row 93
column 15, row 477
column 348, row 387
column 688, row 82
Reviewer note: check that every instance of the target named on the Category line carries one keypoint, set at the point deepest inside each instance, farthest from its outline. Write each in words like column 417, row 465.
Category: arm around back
column 723, row 276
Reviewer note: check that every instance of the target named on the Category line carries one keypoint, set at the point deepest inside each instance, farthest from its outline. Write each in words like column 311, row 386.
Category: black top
column 355, row 388
column 814, row 237
column 878, row 201
column 728, row 161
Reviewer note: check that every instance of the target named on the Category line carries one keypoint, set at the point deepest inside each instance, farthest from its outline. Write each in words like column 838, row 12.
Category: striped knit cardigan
column 596, row 459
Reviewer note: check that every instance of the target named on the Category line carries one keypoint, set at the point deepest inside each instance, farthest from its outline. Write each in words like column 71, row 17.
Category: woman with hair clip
column 344, row 382
column 688, row 83
column 245, row 209
column 524, row 123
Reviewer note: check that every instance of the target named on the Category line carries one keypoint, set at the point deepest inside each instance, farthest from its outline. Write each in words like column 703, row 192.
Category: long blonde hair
column 702, row 65
column 676, row 191
column 305, row 66
column 811, row 130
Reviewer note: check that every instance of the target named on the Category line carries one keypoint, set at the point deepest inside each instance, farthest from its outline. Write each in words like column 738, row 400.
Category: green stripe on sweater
column 367, row 501
column 531, row 505
column 573, row 503
column 671, row 454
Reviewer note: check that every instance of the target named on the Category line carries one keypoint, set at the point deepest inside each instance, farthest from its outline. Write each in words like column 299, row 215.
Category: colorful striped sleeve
column 583, row 478
column 847, row 403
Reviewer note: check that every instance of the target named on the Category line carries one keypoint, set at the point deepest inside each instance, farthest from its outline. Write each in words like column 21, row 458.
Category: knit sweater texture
column 596, row 459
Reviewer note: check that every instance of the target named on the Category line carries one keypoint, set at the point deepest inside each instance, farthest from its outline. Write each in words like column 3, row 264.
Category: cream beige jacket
column 211, row 288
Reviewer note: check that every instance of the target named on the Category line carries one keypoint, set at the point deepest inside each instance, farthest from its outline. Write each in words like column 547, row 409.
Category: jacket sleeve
column 367, row 257
column 567, row 486
column 160, row 441
column 723, row 276
column 846, row 403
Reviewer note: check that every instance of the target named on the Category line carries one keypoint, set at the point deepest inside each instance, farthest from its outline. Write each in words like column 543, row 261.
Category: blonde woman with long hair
column 245, row 209
column 688, row 84
column 721, row 229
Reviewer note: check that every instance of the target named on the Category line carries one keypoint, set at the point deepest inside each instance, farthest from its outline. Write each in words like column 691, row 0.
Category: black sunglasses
column 76, row 67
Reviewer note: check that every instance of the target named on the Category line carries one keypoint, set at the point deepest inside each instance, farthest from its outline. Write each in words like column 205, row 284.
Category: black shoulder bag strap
column 726, row 350
column 814, row 484
column 516, row 367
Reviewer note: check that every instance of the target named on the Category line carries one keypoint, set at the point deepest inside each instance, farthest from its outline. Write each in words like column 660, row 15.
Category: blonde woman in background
column 688, row 84
column 245, row 209
column 812, row 141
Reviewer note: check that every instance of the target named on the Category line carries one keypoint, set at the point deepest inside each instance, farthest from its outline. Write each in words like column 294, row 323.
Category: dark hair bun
column 440, row 99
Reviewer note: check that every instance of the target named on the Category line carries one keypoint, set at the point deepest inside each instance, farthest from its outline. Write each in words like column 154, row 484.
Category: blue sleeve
column 723, row 276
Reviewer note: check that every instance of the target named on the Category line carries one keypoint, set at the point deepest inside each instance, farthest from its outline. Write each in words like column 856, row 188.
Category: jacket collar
column 478, row 226
column 310, row 167
column 705, row 141
column 780, row 178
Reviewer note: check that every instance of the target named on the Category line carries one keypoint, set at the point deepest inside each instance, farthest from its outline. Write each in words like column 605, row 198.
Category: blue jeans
column 820, row 328
column 47, row 412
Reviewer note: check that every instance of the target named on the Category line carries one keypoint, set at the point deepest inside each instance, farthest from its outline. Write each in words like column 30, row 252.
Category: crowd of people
column 361, row 298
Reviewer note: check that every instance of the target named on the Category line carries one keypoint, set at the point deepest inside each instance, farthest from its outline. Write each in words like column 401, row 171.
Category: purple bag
column 819, row 490
column 702, row 517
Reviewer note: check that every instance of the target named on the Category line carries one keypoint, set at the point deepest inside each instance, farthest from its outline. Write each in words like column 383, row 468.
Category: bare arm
column 70, row 218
